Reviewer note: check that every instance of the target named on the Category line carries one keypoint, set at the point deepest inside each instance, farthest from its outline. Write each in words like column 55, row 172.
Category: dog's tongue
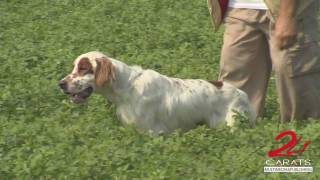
column 82, row 96
column 77, row 99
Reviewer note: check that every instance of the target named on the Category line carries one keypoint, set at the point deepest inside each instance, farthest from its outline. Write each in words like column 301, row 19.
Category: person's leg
column 297, row 71
column 245, row 60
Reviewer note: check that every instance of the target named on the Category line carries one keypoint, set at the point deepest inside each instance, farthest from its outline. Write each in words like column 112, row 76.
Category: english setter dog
column 153, row 102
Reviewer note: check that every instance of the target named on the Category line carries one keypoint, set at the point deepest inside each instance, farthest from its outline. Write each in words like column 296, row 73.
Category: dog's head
column 91, row 71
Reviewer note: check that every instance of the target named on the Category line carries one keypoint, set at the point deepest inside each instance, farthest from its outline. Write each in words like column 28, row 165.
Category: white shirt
column 248, row 4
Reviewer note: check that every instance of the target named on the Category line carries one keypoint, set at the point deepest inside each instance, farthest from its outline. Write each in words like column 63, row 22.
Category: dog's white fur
column 160, row 104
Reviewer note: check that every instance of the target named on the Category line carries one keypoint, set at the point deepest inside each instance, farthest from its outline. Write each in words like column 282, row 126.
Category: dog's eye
column 82, row 69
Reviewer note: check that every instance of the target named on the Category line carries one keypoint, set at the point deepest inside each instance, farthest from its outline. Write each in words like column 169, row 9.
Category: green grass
column 44, row 136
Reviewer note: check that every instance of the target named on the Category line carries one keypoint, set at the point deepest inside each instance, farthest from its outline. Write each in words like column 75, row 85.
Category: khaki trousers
column 249, row 55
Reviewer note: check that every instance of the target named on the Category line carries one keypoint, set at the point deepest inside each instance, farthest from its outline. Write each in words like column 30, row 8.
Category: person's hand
column 285, row 32
column 286, row 26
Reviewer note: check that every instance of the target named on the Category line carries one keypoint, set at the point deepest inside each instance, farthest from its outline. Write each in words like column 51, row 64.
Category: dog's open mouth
column 81, row 97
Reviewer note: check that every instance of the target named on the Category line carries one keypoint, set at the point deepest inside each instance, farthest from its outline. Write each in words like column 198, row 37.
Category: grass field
column 44, row 136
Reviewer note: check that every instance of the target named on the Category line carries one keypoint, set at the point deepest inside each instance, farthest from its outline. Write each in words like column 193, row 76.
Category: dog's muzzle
column 78, row 97
column 63, row 85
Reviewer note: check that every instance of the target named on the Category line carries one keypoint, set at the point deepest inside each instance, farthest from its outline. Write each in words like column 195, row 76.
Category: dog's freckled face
column 87, row 76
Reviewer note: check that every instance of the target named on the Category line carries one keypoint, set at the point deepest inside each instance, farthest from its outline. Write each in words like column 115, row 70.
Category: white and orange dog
column 153, row 102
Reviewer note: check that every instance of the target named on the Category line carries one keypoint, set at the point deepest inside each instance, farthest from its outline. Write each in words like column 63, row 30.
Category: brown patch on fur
column 105, row 71
column 84, row 67
column 218, row 84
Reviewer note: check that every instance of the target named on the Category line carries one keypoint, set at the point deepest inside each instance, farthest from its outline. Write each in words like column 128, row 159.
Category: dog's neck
column 119, row 89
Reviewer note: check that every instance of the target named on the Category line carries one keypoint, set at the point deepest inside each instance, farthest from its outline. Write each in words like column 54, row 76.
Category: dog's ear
column 105, row 71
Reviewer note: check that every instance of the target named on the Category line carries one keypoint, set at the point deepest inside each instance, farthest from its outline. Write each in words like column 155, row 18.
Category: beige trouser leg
column 246, row 63
column 297, row 70
column 245, row 60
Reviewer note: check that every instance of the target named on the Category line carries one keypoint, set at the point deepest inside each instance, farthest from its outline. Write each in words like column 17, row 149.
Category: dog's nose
column 63, row 85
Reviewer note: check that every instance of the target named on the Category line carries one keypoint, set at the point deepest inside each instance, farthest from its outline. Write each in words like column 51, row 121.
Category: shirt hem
column 248, row 6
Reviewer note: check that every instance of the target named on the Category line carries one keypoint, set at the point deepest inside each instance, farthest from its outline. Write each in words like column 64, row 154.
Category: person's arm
column 286, row 28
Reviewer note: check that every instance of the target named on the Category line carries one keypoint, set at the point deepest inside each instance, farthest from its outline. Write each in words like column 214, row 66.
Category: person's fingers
column 278, row 43
column 284, row 43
